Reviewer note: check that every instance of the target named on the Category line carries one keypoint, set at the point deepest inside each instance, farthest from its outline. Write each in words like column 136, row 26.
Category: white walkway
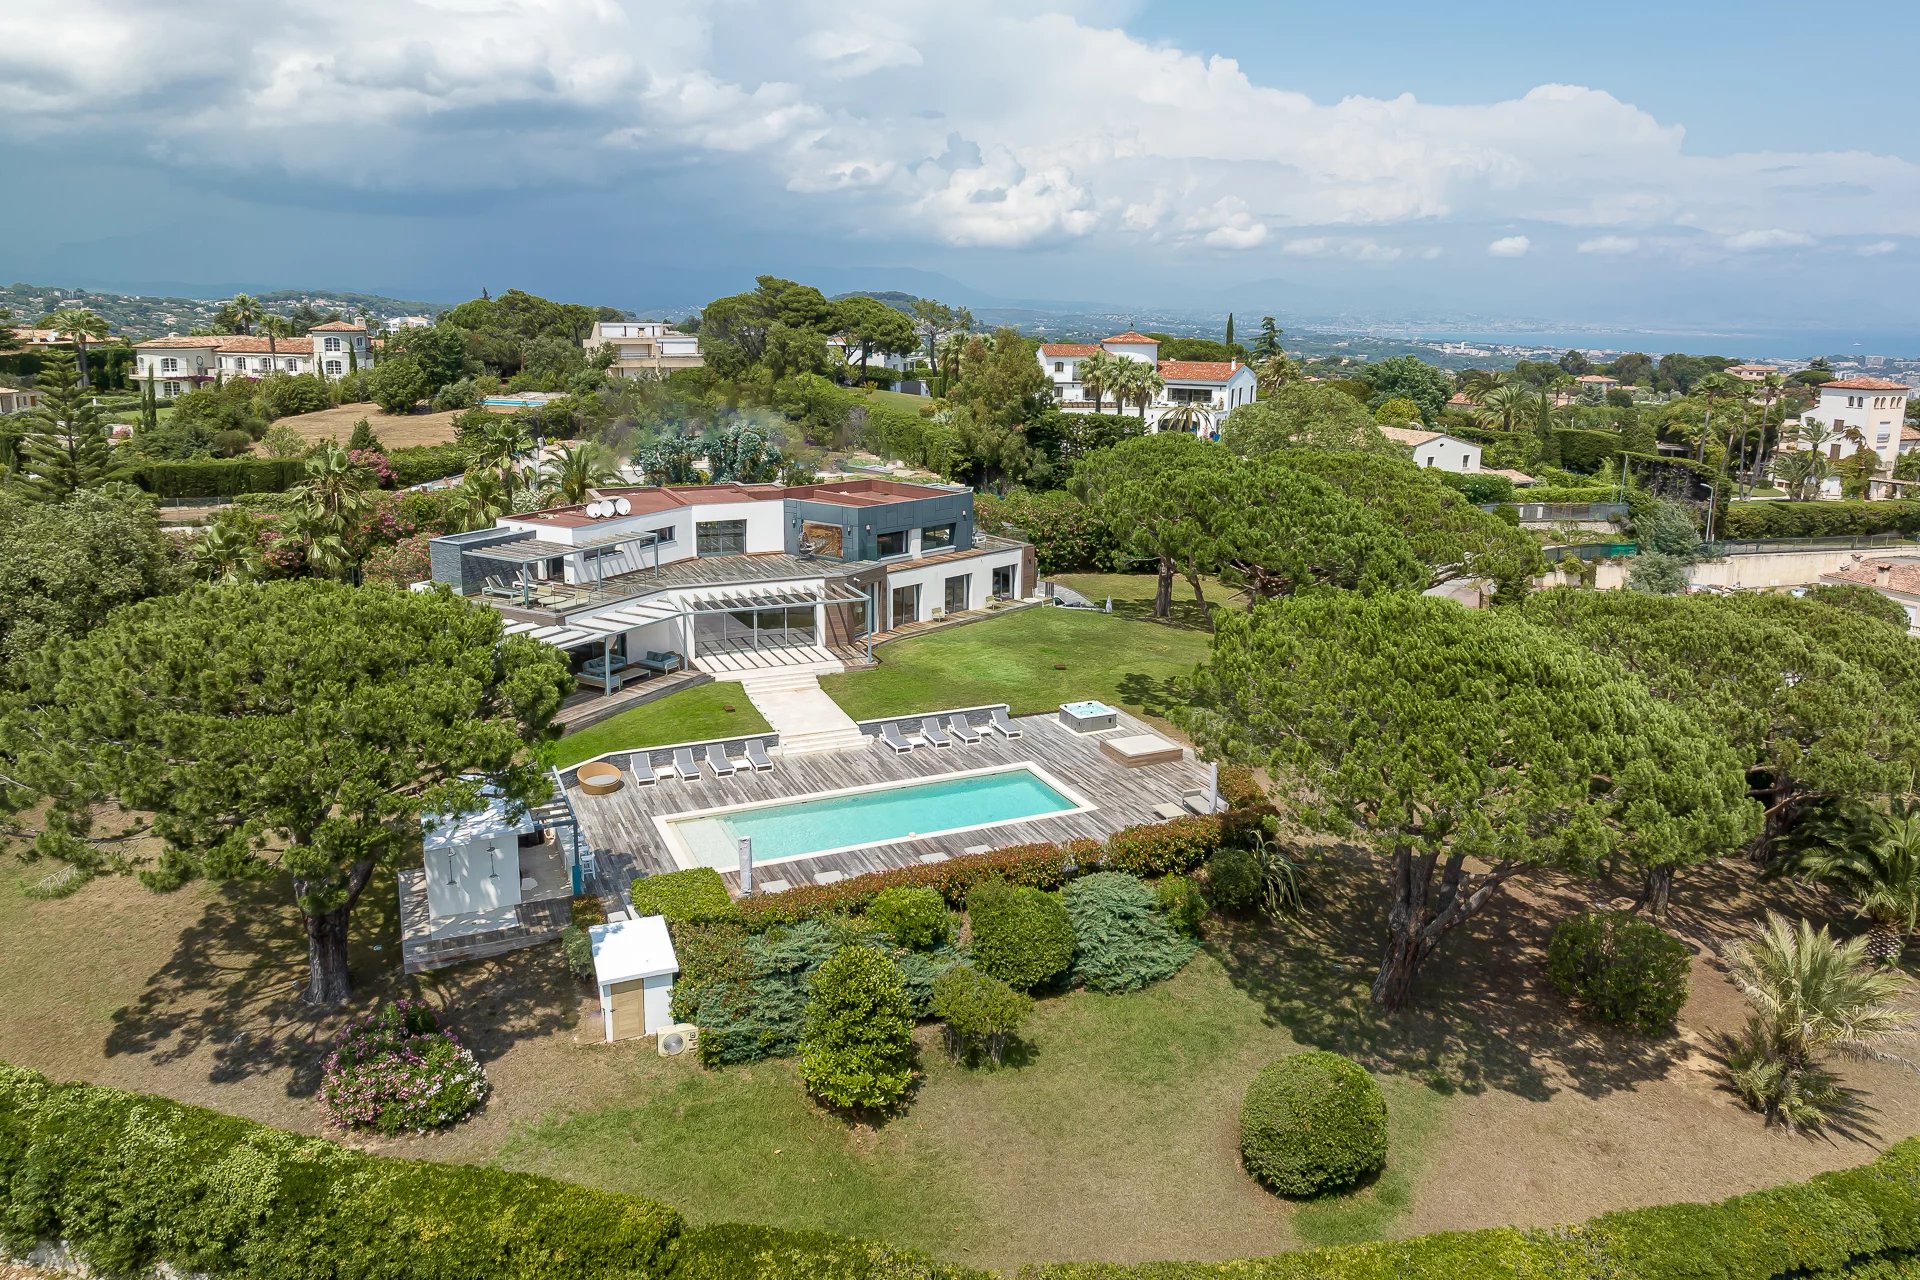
column 806, row 719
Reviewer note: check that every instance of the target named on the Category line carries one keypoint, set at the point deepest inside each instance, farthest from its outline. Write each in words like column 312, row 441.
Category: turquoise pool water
column 796, row 828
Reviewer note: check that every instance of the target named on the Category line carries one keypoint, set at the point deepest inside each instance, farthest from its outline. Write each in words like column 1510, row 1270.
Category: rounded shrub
column 395, row 1071
column 1313, row 1123
column 1021, row 936
column 1233, row 879
column 856, row 1050
column 1620, row 970
column 917, row 919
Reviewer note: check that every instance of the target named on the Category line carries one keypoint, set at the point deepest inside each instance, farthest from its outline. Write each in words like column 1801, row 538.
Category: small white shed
column 633, row 962
column 473, row 859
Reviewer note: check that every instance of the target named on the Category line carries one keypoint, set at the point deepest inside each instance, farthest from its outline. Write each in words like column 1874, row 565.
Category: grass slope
column 1033, row 660
column 719, row 710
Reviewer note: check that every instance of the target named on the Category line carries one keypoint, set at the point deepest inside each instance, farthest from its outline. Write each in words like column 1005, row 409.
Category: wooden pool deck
column 627, row 844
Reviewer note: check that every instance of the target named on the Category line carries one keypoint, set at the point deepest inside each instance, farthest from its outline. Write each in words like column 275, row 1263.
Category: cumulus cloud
column 994, row 123
column 1608, row 244
column 1877, row 248
column 1510, row 247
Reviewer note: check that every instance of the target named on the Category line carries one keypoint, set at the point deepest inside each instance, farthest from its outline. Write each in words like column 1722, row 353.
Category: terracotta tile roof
column 1067, row 348
column 1131, row 337
column 1886, row 575
column 1595, row 377
column 1865, row 384
column 338, row 326
column 1909, row 433
column 175, row 340
column 1198, row 370
column 1459, row 398
column 258, row 346
column 1410, row 435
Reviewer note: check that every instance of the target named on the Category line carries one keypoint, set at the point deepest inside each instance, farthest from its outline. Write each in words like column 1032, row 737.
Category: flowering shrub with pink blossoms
column 395, row 1071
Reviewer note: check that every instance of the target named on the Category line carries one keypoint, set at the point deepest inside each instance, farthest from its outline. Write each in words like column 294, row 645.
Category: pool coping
column 683, row 855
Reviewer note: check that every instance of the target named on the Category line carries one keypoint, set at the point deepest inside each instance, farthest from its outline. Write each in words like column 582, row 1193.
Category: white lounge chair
column 933, row 734
column 684, row 766
column 640, row 769
column 1004, row 725
column 757, row 755
column 717, row 760
column 890, row 736
column 959, row 728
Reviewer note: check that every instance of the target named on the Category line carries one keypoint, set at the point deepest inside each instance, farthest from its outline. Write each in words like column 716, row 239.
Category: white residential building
column 1874, row 407
column 645, row 348
column 177, row 365
column 409, row 322
column 1218, row 385
column 1437, row 450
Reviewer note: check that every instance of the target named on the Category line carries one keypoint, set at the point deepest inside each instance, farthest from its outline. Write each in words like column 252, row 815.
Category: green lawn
column 1132, row 594
column 1033, row 660
column 719, row 710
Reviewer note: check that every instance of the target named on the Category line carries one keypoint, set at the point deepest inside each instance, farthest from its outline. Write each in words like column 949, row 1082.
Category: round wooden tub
column 599, row 778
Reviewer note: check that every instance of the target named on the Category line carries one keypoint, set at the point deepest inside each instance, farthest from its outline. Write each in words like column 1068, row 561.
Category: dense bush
column 1312, row 1123
column 576, row 944
column 697, row 896
column 1743, row 521
column 1181, row 901
column 1233, row 879
column 130, row 1181
column 1121, row 941
column 742, row 1251
column 747, row 992
column 421, row 463
column 1163, row 848
column 982, row 1014
column 1481, row 488
column 916, row 918
column 395, row 1071
column 856, row 1047
column 919, row 971
column 1019, row 935
column 1620, row 970
column 1041, row 866
column 1067, row 535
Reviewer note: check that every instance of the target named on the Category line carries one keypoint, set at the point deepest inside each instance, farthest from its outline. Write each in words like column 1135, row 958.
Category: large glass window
column 906, row 605
column 959, row 592
column 933, row 537
column 890, row 544
column 720, row 537
column 1003, row 582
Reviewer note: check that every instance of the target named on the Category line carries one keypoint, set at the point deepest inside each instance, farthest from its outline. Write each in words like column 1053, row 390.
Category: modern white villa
column 641, row 580
column 1217, row 386
column 645, row 348
column 176, row 365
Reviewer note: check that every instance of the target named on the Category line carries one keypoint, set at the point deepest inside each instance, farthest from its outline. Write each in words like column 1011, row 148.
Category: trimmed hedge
column 130, row 1180
column 1164, row 848
column 421, row 463
column 1745, row 521
column 218, row 477
column 742, row 1251
column 1313, row 1123
column 697, row 896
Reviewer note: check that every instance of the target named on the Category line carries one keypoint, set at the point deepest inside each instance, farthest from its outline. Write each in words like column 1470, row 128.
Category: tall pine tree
column 66, row 447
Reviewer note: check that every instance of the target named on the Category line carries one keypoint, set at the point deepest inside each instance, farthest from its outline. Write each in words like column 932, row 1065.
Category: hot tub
column 1088, row 717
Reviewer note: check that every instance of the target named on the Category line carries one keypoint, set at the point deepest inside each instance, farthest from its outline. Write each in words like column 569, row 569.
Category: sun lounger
column 640, row 769
column 890, row 736
column 757, row 755
column 959, row 728
column 1005, row 726
column 934, row 735
column 1168, row 812
column 717, row 760
column 684, row 766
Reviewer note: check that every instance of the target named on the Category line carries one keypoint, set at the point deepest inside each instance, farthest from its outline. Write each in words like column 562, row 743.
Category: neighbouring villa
column 1217, row 386
column 176, row 364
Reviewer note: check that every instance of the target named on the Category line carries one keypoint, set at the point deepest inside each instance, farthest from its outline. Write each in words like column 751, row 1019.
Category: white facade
column 1435, row 450
column 472, row 861
column 645, row 347
column 634, row 966
column 850, row 352
column 176, row 365
column 1875, row 407
column 1219, row 387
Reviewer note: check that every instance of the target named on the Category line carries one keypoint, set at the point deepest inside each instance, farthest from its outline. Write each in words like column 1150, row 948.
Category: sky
column 1463, row 166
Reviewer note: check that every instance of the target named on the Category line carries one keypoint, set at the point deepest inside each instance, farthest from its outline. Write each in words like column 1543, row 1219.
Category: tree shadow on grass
column 1483, row 1015
column 230, row 991
column 1155, row 695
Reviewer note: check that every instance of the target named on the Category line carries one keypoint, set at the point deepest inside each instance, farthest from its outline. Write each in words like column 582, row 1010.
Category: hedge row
column 421, row 463
column 1861, row 1222
column 1750, row 520
column 1162, row 848
column 129, row 1180
column 218, row 477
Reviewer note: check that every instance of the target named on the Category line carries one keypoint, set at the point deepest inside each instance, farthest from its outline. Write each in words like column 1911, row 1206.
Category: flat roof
column 653, row 499
column 441, row 831
column 628, row 949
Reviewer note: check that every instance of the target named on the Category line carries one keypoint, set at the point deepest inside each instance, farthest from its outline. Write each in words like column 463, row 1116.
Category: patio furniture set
column 942, row 734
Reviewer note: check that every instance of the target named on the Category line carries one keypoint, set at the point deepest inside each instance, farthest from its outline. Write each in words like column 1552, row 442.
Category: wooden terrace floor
column 627, row 845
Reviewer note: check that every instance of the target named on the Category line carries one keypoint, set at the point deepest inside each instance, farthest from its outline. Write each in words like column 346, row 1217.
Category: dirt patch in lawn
column 396, row 431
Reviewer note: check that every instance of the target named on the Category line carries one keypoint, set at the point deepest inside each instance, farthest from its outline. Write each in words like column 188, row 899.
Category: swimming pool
column 860, row 817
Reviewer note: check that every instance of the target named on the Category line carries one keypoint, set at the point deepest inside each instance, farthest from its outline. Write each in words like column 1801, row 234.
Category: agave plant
column 1874, row 859
column 1812, row 995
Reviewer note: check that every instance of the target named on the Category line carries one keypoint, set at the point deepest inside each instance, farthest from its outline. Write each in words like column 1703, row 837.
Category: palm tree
column 77, row 324
column 1712, row 388
column 229, row 550
column 1475, row 384
column 328, row 507
column 1506, row 407
column 1770, row 393
column 1144, row 386
column 275, row 327
column 242, row 313
column 1874, row 859
column 1096, row 376
column 1188, row 415
column 478, row 500
column 574, row 471
column 1807, row 453
column 1811, row 995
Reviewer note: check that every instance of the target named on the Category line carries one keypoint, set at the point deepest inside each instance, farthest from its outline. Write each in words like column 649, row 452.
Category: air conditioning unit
column 677, row 1039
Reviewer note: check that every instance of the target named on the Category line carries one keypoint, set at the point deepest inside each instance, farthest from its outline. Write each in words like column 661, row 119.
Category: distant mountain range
column 140, row 316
